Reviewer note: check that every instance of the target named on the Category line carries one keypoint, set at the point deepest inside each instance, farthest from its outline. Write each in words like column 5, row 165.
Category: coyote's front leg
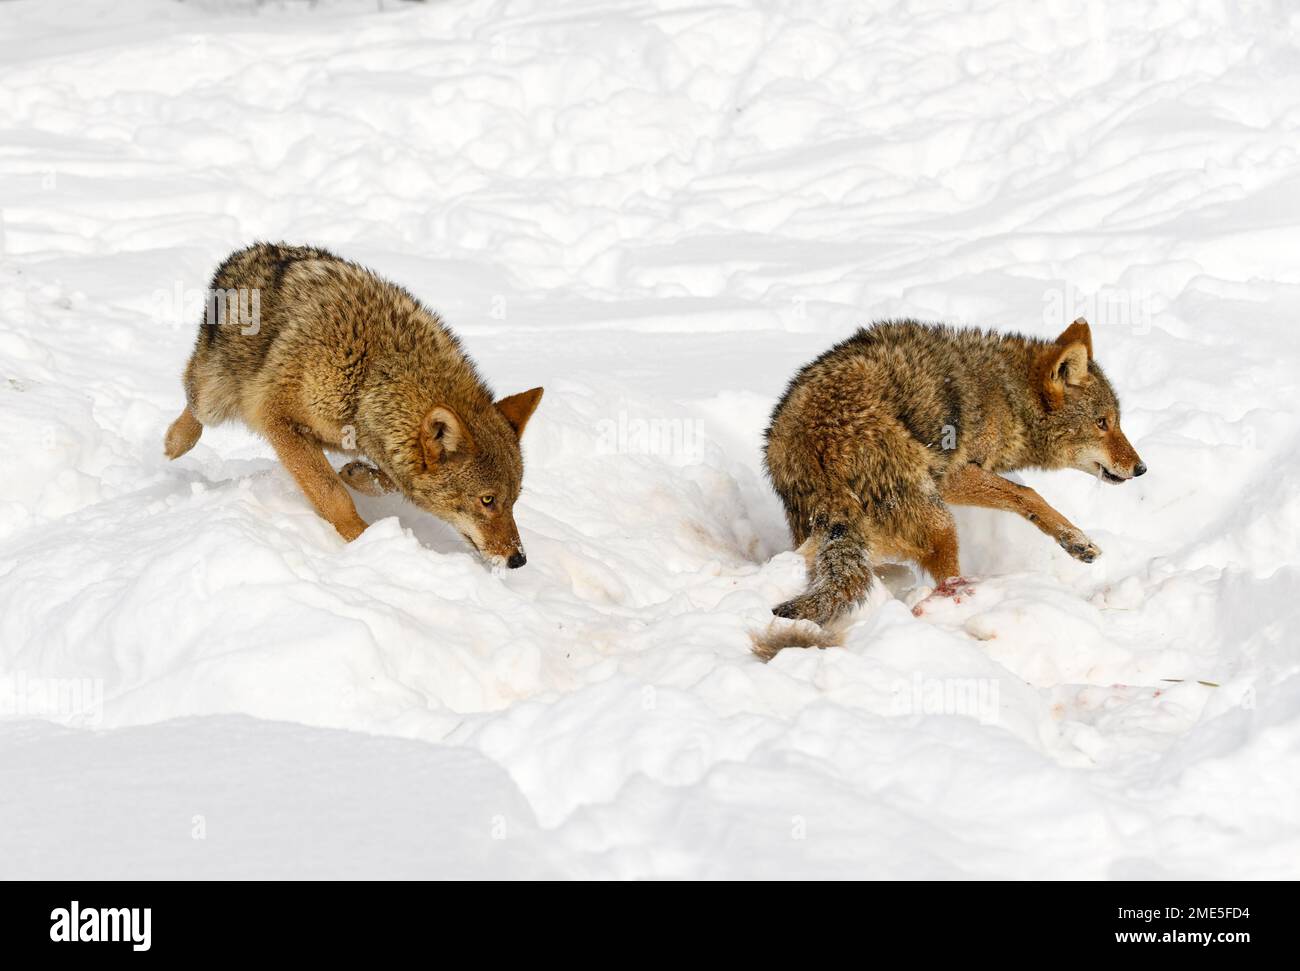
column 366, row 479
column 974, row 486
column 316, row 477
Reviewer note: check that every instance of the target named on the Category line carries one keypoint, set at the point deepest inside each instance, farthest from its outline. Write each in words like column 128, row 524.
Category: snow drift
column 658, row 211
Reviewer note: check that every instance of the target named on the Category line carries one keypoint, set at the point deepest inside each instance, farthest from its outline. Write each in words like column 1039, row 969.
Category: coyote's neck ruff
column 336, row 358
column 873, row 439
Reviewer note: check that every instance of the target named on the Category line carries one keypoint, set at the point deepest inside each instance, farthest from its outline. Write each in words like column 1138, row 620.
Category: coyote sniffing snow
column 340, row 359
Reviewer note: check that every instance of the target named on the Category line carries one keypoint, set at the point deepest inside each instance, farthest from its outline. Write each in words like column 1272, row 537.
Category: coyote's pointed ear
column 443, row 435
column 1077, row 333
column 1065, row 363
column 518, row 408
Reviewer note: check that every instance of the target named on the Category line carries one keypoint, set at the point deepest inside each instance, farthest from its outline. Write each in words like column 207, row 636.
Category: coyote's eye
column 488, row 501
column 1102, row 423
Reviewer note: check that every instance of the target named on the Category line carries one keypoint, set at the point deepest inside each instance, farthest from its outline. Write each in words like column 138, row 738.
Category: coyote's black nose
column 1139, row 469
column 517, row 559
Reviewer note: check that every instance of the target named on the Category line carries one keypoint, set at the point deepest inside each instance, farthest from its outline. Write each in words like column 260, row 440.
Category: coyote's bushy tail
column 839, row 578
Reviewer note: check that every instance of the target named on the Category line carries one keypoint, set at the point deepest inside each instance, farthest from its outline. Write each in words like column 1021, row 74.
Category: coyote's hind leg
column 182, row 434
column 941, row 560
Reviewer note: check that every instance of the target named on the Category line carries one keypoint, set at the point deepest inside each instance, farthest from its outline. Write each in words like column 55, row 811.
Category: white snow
column 232, row 798
column 658, row 211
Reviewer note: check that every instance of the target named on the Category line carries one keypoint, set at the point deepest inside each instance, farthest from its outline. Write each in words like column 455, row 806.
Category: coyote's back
column 282, row 315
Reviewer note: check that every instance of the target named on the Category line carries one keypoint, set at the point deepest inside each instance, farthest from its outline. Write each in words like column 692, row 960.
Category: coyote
column 333, row 357
column 873, row 439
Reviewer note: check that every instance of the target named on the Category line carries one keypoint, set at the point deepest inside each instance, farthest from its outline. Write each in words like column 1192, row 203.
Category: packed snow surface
column 658, row 211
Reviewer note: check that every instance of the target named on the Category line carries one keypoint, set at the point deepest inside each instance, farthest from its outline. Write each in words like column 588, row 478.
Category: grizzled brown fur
column 874, row 439
column 340, row 359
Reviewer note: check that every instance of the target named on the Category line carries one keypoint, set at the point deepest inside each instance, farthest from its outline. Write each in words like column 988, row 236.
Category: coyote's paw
column 1079, row 546
column 365, row 479
column 953, row 588
column 350, row 529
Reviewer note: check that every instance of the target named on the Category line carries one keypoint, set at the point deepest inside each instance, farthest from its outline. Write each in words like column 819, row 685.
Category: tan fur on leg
column 182, row 435
column 972, row 486
column 306, row 462
column 942, row 562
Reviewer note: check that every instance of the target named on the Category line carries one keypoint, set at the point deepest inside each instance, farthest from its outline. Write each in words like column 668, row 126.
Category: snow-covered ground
column 657, row 211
